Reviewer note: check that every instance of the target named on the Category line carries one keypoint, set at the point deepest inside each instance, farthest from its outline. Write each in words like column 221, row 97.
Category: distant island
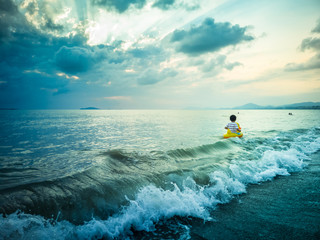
column 303, row 105
column 90, row 108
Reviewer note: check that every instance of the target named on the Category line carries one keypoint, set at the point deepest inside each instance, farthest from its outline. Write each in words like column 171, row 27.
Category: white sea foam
column 153, row 204
column 272, row 163
column 25, row 226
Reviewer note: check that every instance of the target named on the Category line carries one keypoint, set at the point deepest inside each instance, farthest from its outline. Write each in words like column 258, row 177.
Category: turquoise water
column 126, row 174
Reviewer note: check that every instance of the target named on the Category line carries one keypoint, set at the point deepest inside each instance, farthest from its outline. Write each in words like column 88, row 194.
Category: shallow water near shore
column 158, row 175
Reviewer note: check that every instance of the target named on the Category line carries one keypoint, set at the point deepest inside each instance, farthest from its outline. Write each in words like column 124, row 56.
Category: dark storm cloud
column 36, row 64
column 78, row 59
column 8, row 6
column 73, row 59
column 8, row 14
column 27, row 60
column 209, row 37
column 119, row 5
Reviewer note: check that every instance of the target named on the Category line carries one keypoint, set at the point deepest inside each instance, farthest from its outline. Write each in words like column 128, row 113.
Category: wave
column 254, row 163
column 204, row 150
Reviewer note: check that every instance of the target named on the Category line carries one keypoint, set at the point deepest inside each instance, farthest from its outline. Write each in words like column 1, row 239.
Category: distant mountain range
column 303, row 105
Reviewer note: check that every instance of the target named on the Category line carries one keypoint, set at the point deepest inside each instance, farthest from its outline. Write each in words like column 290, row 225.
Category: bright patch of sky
column 158, row 54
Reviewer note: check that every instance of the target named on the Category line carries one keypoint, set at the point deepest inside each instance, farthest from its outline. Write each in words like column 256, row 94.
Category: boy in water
column 233, row 126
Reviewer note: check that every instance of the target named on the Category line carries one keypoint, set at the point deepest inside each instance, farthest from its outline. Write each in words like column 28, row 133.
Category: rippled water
column 93, row 174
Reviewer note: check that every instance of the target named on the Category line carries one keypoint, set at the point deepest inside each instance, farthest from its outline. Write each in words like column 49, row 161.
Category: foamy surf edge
column 153, row 204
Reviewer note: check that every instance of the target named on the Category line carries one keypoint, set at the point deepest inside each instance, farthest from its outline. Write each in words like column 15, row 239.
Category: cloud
column 230, row 66
column 310, row 43
column 163, row 4
column 312, row 63
column 119, row 5
column 29, row 89
column 219, row 63
column 177, row 4
column 37, row 65
column 122, row 6
column 8, row 16
column 49, row 24
column 27, row 63
column 145, row 52
column 74, row 59
column 313, row 44
column 7, row 6
column 41, row 14
column 151, row 76
column 39, row 61
column 317, row 28
column 188, row 4
column 208, row 37
column 118, row 98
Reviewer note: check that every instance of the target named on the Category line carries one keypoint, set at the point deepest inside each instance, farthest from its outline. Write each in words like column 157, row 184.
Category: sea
column 159, row 174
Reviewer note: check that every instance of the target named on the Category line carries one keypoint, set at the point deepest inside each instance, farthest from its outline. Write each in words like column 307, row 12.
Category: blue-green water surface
column 126, row 174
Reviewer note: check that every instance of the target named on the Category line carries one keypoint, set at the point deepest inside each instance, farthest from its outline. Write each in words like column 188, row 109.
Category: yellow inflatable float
column 230, row 134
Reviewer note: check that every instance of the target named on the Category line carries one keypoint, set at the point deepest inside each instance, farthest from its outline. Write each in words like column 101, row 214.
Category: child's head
column 233, row 118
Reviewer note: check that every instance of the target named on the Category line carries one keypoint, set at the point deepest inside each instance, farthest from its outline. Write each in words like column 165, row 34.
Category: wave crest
column 282, row 155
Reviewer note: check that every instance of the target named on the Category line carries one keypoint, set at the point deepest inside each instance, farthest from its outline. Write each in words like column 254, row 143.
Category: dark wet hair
column 233, row 118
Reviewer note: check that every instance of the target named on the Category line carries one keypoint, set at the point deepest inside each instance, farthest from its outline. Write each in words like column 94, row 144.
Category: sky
column 158, row 54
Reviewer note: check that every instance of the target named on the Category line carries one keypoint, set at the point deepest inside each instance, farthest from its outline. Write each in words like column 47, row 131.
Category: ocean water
column 155, row 174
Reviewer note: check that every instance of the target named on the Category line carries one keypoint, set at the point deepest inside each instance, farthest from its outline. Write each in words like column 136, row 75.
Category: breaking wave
column 148, row 188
